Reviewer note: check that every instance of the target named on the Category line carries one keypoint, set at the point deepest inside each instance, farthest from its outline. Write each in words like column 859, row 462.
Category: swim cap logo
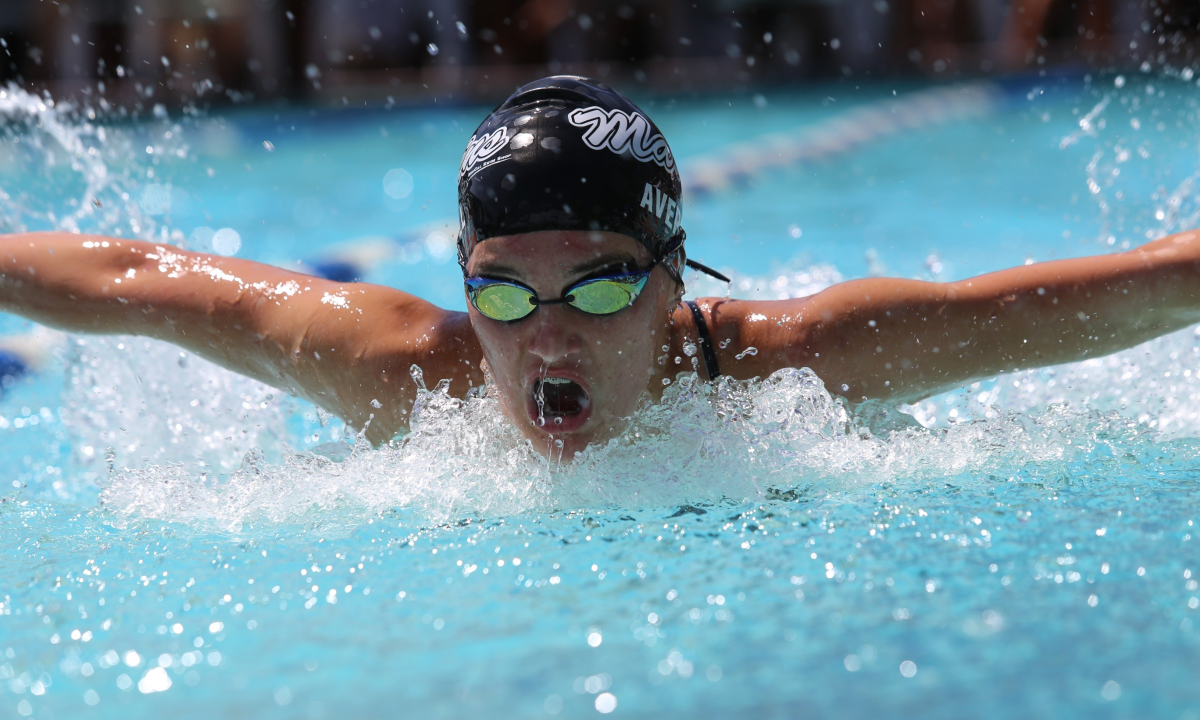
column 619, row 131
column 482, row 148
column 663, row 207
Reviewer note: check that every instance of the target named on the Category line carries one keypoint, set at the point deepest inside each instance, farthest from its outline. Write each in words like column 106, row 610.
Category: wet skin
column 349, row 347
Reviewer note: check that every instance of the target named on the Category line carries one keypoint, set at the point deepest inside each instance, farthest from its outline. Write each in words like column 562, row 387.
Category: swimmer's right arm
column 902, row 340
column 345, row 346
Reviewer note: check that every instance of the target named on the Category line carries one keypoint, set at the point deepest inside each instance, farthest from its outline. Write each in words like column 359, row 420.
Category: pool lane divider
column 844, row 132
column 721, row 170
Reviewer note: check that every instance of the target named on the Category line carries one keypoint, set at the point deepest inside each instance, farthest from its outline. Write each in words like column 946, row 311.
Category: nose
column 554, row 336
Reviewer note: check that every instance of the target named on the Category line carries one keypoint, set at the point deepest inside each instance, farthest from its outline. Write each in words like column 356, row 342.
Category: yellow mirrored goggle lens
column 604, row 297
column 504, row 302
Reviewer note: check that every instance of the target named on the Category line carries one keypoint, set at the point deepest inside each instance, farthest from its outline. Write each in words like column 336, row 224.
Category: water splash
column 728, row 440
column 61, row 169
column 1126, row 129
column 1089, row 125
column 148, row 404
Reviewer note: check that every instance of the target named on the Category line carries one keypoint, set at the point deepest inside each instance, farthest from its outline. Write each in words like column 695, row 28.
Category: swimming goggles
column 509, row 301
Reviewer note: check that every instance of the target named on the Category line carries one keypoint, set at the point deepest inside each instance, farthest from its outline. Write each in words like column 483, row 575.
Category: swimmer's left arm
column 906, row 339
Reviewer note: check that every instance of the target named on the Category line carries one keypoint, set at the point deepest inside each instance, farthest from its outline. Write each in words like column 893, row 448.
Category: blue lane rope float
column 12, row 368
column 720, row 170
column 351, row 260
column 24, row 354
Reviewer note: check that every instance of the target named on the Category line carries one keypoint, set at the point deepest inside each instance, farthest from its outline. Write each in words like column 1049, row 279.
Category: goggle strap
column 707, row 270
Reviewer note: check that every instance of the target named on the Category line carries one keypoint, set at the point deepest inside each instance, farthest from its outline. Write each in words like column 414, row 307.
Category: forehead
column 564, row 249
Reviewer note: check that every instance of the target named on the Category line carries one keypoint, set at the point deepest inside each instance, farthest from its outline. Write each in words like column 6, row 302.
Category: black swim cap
column 569, row 153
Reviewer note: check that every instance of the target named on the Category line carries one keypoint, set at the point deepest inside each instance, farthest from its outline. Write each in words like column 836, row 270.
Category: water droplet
column 748, row 351
column 226, row 241
column 540, row 397
column 398, row 183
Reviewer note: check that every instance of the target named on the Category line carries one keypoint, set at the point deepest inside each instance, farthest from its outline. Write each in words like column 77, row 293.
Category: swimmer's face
column 596, row 367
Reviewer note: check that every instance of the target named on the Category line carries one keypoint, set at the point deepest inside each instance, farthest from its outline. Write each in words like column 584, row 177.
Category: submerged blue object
column 12, row 368
column 338, row 270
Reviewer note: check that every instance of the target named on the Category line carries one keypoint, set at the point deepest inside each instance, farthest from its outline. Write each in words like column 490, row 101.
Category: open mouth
column 558, row 399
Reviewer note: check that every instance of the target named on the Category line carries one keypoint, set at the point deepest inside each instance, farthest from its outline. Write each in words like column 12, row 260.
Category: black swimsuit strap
column 706, row 343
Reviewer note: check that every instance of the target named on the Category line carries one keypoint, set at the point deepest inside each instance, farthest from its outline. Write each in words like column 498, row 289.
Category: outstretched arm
column 346, row 347
column 906, row 339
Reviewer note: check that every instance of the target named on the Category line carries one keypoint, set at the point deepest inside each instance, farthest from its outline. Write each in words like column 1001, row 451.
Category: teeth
column 557, row 381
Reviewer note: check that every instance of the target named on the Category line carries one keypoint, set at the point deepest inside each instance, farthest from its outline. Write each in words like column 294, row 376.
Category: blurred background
column 211, row 52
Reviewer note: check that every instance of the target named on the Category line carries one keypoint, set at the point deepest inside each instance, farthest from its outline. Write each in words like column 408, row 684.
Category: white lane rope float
column 733, row 164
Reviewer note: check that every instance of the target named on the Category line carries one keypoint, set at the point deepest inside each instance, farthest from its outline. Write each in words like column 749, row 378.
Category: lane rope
column 847, row 131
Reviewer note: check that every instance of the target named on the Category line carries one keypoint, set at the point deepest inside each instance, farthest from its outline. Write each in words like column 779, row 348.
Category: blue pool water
column 182, row 542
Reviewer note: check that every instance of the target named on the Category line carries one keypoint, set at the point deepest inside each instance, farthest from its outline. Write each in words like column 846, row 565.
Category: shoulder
column 753, row 338
column 389, row 328
column 356, row 346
